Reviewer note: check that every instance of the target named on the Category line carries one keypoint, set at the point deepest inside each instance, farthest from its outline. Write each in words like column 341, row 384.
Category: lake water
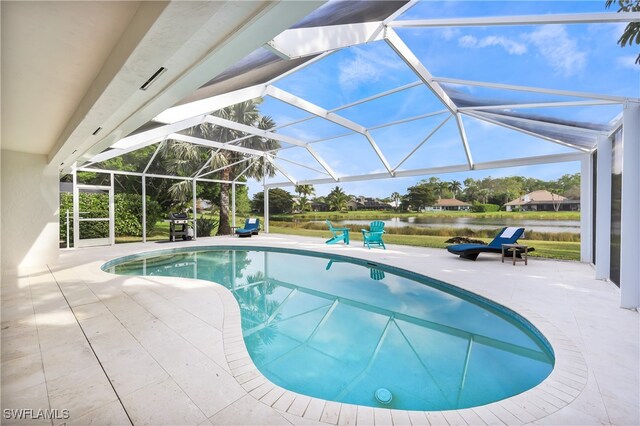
column 468, row 222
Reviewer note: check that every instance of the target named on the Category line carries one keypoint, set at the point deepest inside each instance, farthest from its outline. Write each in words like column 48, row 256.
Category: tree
column 337, row 199
column 304, row 191
column 422, row 194
column 180, row 159
column 246, row 113
column 454, row 187
column 280, row 201
column 395, row 197
column 632, row 30
column 439, row 186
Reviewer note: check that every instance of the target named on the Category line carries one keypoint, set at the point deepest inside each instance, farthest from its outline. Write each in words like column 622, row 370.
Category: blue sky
column 578, row 57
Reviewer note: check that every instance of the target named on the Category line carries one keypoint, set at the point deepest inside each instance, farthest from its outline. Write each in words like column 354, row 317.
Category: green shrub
column 484, row 208
column 205, row 226
column 127, row 210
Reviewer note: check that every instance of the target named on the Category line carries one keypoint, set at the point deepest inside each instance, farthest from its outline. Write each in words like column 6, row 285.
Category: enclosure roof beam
column 253, row 160
column 153, row 157
column 539, row 105
column 271, row 135
column 408, row 120
column 465, row 143
column 433, row 131
column 316, row 110
column 281, row 170
column 225, row 166
column 113, row 153
column 516, row 162
column 402, row 50
column 222, row 122
column 304, row 166
column 567, row 18
column 330, row 116
column 213, row 144
column 526, row 132
column 617, row 99
column 355, row 103
column 558, row 126
column 208, row 105
column 152, row 175
column 322, row 163
column 140, row 138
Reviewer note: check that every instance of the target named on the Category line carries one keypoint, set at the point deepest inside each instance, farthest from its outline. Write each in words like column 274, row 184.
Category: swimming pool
column 361, row 333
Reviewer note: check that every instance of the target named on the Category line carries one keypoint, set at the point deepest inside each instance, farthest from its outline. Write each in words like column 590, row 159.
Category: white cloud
column 366, row 67
column 449, row 33
column 628, row 62
column 560, row 50
column 510, row 46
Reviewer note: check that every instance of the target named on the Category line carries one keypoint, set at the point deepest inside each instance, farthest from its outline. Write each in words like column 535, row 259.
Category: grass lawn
column 548, row 249
column 373, row 215
column 564, row 250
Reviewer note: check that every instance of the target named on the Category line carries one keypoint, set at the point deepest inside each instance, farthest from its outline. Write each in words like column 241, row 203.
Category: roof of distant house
column 451, row 202
column 536, row 197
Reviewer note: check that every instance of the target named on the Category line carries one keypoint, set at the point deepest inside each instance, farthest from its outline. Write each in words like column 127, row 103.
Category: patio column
column 603, row 209
column 76, row 209
column 144, row 209
column 586, row 209
column 195, row 213
column 630, row 225
column 233, row 204
column 266, row 209
column 112, row 212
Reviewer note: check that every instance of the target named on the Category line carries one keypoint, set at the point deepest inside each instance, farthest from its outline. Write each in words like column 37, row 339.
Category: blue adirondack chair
column 374, row 234
column 339, row 234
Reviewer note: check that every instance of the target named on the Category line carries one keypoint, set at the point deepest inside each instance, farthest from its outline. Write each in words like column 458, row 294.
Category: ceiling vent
column 153, row 78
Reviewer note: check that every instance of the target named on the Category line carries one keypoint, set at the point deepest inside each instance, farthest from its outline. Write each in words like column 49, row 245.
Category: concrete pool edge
column 559, row 389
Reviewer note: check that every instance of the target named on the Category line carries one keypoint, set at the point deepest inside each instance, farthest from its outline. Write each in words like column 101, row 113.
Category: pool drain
column 383, row 396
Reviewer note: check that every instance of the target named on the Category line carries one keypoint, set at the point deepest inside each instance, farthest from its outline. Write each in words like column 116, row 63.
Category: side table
column 515, row 249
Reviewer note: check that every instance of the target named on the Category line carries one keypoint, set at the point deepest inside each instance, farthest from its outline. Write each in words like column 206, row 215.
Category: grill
column 179, row 226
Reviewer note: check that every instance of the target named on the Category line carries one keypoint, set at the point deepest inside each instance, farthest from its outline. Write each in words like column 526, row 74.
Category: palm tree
column 179, row 159
column 455, row 186
column 441, row 187
column 337, row 199
column 183, row 157
column 396, row 199
column 304, row 191
column 244, row 113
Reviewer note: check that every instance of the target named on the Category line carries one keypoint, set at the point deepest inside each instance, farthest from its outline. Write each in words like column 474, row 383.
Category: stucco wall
column 29, row 210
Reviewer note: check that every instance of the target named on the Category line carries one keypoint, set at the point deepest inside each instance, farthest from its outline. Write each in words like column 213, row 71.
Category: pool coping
column 563, row 385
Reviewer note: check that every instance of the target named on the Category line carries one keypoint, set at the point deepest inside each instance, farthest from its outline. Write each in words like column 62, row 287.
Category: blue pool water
column 350, row 332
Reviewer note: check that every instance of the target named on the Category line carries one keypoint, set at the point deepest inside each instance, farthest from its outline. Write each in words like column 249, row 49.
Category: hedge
column 128, row 215
column 484, row 208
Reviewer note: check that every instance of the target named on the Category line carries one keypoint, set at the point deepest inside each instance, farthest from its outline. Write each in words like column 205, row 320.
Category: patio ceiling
column 520, row 109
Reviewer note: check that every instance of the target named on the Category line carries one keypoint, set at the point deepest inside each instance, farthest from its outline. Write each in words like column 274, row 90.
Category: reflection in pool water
column 341, row 331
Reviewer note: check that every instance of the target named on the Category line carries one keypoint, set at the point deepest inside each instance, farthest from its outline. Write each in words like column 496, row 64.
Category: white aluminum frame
column 330, row 39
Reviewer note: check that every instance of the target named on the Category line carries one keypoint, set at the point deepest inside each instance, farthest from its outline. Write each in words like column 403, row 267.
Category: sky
column 577, row 57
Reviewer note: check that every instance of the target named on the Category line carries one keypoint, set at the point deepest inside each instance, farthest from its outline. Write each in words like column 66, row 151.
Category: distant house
column 542, row 200
column 450, row 204
column 317, row 206
column 367, row 203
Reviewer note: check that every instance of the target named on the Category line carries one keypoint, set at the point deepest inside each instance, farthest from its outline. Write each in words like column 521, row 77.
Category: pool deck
column 156, row 350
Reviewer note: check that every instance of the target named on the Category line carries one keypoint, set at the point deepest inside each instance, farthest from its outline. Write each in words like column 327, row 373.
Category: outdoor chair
column 251, row 227
column 376, row 274
column 507, row 235
column 374, row 234
column 339, row 234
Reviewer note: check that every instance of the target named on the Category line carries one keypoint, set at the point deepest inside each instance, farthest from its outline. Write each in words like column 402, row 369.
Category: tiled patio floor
column 155, row 350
